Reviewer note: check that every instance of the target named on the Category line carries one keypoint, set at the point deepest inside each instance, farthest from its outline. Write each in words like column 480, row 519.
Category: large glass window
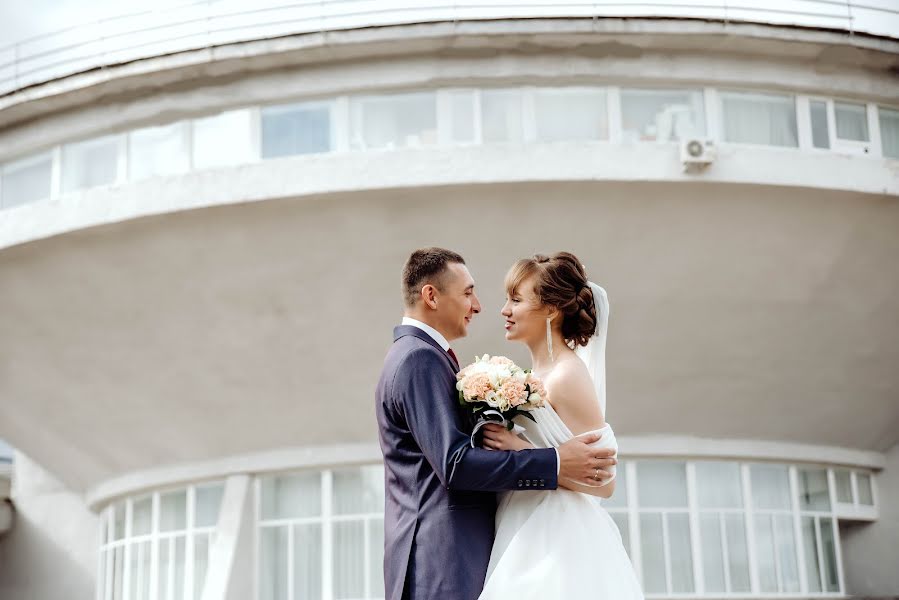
column 665, row 537
column 722, row 526
column 26, row 180
column 296, row 129
column 222, row 140
column 661, row 115
column 889, row 131
column 158, row 151
column 775, row 542
column 571, row 114
column 462, row 112
column 90, row 163
column 159, row 543
column 397, row 121
column 502, row 116
column 765, row 119
column 299, row 526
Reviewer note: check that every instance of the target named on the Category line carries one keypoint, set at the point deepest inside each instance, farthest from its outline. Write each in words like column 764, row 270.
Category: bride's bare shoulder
column 573, row 395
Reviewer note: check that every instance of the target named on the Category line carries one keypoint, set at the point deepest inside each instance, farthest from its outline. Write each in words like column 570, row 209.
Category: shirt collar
column 436, row 335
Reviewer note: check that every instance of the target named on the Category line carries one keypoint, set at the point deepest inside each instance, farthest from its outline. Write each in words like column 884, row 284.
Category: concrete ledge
column 288, row 459
column 421, row 168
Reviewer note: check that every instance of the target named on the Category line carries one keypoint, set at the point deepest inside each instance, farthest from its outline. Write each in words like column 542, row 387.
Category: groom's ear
column 429, row 296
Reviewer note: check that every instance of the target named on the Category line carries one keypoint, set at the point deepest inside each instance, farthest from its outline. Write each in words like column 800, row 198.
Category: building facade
column 203, row 215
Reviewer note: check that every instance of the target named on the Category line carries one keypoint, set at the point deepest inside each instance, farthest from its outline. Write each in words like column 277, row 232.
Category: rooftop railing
column 207, row 23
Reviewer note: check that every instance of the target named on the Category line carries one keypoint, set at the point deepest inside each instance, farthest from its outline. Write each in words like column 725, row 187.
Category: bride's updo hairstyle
column 560, row 281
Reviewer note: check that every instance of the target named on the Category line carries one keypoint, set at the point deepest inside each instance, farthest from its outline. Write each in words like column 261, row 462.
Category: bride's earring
column 549, row 339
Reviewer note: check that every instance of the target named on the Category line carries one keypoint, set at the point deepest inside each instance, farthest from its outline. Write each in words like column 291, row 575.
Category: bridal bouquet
column 497, row 390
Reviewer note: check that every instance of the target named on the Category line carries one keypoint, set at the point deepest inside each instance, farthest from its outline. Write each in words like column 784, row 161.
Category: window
column 722, row 527
column 26, row 180
column 296, row 129
column 664, row 527
column 397, row 121
column 89, row 164
column 764, row 119
column 851, row 121
column 160, row 542
column 820, row 129
column 462, row 117
column 157, row 151
column 889, row 131
column 571, row 114
column 502, row 116
column 222, row 140
column 775, row 543
column 298, row 527
column 661, row 115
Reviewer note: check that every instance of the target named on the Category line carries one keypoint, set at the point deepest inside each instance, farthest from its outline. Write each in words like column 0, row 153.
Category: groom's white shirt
column 438, row 337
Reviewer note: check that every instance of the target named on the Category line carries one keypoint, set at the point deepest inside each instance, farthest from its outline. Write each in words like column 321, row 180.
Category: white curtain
column 501, row 116
column 571, row 114
column 402, row 120
column 26, row 181
column 157, row 151
column 852, row 121
column 349, row 559
column 307, row 562
column 222, row 140
column 91, row 163
column 661, row 115
column 889, row 132
column 759, row 119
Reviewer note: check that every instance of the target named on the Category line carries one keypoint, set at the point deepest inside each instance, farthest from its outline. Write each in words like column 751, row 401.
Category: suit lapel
column 403, row 330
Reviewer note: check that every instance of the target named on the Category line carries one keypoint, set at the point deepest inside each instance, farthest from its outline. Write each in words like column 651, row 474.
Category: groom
column 440, row 492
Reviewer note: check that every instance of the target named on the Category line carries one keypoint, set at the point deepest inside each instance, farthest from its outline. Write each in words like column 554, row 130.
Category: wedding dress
column 561, row 544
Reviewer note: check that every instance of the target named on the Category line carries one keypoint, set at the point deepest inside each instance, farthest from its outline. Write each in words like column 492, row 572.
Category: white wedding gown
column 557, row 544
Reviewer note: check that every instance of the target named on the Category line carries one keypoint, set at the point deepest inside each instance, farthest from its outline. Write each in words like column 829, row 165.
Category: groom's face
column 457, row 302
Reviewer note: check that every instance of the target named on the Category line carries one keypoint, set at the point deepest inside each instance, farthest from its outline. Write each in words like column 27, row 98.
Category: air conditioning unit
column 696, row 153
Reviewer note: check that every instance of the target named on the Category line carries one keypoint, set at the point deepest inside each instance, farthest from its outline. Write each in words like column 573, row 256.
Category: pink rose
column 536, row 386
column 514, row 392
column 475, row 386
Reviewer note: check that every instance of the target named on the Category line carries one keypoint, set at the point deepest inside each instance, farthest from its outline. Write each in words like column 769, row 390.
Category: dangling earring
column 549, row 339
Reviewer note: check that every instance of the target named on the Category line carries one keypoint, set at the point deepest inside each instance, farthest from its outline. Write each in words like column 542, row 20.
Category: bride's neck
column 541, row 363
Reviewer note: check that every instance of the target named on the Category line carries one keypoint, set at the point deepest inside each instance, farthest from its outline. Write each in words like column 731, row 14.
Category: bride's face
column 525, row 314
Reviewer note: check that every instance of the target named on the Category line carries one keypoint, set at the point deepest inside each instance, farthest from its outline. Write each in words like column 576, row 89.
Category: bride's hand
column 497, row 437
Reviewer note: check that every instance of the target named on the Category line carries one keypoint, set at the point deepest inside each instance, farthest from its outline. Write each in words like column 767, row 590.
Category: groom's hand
column 584, row 464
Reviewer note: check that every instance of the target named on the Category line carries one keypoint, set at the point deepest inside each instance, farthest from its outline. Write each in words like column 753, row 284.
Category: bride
column 561, row 543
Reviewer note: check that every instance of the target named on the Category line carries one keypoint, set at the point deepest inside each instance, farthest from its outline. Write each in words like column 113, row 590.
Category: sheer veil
column 594, row 353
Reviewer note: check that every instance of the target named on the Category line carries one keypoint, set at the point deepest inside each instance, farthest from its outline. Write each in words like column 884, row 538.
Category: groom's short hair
column 426, row 265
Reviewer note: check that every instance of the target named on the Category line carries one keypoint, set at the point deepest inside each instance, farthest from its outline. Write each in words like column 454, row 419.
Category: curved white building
column 203, row 214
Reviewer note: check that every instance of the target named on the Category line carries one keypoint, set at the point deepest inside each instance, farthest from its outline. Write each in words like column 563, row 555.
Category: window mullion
column 725, row 552
column 126, row 553
column 327, row 537
column 693, row 522
column 666, row 547
column 819, row 548
column 750, row 530
column 797, row 529
column 189, row 545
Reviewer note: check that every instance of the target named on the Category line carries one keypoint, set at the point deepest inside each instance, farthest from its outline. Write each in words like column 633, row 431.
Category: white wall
column 51, row 551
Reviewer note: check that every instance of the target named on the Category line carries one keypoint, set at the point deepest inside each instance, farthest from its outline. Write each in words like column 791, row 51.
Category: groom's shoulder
column 409, row 352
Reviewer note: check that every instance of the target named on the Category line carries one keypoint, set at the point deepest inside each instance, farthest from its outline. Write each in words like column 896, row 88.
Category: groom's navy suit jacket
column 440, row 492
